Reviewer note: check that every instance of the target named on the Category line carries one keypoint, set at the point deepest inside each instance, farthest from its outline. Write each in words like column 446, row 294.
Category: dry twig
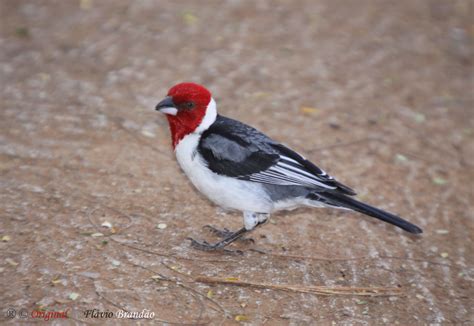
column 318, row 290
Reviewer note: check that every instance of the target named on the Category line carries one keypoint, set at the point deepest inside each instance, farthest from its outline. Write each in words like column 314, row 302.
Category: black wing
column 234, row 149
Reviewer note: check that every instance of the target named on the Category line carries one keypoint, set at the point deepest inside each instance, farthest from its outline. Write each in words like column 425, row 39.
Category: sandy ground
column 378, row 93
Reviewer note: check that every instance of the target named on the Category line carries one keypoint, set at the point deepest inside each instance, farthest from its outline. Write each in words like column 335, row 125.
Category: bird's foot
column 206, row 246
column 225, row 233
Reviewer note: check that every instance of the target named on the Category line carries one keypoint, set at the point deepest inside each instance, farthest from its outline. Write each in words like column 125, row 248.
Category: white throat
column 209, row 117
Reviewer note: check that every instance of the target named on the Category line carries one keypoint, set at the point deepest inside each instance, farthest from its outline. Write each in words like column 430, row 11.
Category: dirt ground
column 95, row 211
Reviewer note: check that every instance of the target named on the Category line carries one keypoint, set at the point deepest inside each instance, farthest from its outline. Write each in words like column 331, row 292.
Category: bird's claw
column 224, row 233
column 201, row 245
column 206, row 246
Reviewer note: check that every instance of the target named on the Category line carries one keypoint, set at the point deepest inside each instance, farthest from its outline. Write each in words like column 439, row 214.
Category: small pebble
column 107, row 224
column 401, row 158
column 162, row 226
column 148, row 133
column 419, row 117
column 73, row 296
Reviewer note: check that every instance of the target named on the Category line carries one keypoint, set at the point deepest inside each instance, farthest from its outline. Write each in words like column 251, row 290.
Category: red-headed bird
column 238, row 167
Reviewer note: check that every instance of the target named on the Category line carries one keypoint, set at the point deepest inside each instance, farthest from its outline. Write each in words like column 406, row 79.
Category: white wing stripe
column 298, row 177
column 286, row 166
column 274, row 181
column 289, row 159
column 323, row 173
column 289, row 172
column 273, row 177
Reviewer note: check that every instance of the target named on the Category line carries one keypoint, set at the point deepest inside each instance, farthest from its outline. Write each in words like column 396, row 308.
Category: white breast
column 224, row 191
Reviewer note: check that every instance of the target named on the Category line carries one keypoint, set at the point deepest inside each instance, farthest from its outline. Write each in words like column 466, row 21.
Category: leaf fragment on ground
column 85, row 4
column 260, row 95
column 232, row 279
column 241, row 318
column 11, row 262
column 309, row 110
column 22, row 32
column 439, row 181
column 56, row 280
column 189, row 18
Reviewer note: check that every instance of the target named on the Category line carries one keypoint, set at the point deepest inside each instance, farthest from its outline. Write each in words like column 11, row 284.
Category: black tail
column 351, row 203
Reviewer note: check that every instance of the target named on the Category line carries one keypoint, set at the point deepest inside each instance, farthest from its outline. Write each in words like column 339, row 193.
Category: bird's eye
column 189, row 105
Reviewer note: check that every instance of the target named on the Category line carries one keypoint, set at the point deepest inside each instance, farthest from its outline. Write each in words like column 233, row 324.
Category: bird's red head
column 185, row 108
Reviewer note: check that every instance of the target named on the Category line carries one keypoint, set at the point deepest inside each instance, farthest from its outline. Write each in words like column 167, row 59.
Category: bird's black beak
column 167, row 106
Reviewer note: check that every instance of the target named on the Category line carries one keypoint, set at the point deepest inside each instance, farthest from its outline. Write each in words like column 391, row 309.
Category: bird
column 239, row 168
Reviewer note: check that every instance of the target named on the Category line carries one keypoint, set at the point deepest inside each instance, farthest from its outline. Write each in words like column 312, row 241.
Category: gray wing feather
column 226, row 149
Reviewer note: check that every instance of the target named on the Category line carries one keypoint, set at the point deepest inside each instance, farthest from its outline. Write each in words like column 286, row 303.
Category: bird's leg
column 224, row 233
column 251, row 221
